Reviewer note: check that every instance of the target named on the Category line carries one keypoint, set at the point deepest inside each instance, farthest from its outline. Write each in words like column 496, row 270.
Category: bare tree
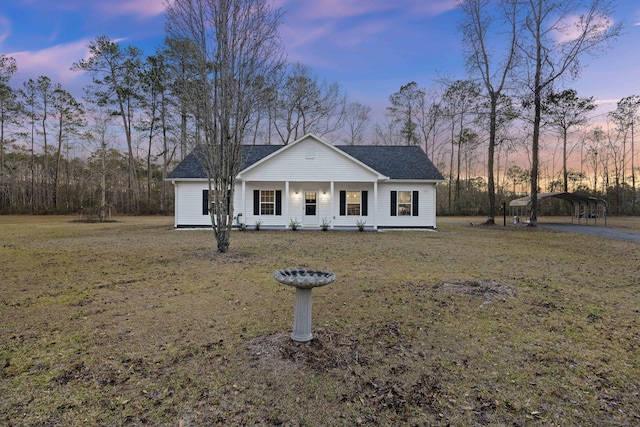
column 356, row 119
column 387, row 132
column 115, row 74
column 69, row 119
column 8, row 104
column 516, row 175
column 163, row 108
column 181, row 62
column 237, row 46
column 37, row 99
column 565, row 110
column 556, row 34
column 478, row 25
column 595, row 147
column 459, row 102
column 152, row 121
column 100, row 138
column 403, row 109
column 305, row 104
column 625, row 117
column 428, row 119
column 28, row 111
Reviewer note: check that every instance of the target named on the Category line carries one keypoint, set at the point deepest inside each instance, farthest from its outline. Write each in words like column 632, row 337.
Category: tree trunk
column 565, row 175
column 533, row 219
column 491, row 153
column 58, row 158
column 451, row 166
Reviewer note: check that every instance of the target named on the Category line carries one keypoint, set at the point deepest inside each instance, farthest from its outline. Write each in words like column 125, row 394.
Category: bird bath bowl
column 304, row 281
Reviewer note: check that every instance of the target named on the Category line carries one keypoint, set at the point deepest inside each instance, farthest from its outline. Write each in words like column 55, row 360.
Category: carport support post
column 504, row 214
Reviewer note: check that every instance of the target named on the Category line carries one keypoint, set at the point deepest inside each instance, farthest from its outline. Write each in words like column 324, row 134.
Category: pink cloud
column 570, row 28
column 54, row 62
column 362, row 33
column 349, row 23
column 343, row 8
column 144, row 8
column 337, row 9
column 434, row 7
column 5, row 28
column 301, row 36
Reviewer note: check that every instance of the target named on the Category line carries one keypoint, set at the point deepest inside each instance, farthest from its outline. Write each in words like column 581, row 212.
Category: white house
column 311, row 181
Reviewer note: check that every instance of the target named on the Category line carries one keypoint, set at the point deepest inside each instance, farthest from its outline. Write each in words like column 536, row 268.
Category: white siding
column 351, row 220
column 426, row 205
column 309, row 165
column 309, row 160
column 245, row 206
column 188, row 199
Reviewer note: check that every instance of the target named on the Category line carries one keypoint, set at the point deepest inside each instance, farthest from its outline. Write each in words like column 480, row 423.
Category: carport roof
column 570, row 197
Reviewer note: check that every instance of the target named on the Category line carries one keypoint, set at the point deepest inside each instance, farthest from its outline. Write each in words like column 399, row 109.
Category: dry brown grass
column 134, row 323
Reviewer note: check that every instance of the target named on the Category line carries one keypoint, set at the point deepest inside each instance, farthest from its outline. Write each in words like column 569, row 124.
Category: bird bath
column 304, row 281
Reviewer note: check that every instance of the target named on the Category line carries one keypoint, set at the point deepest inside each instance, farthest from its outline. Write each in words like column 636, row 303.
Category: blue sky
column 370, row 47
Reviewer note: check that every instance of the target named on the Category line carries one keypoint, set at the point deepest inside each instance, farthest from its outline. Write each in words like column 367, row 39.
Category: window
column 205, row 202
column 353, row 203
column 404, row 203
column 267, row 202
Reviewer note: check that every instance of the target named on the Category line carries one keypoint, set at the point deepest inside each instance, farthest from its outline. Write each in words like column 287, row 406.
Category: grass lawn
column 134, row 323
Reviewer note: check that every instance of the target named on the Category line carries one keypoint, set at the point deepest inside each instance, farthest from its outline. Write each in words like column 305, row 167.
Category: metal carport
column 583, row 206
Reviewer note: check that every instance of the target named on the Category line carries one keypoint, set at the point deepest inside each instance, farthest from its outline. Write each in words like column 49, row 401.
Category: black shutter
column 394, row 203
column 205, row 202
column 256, row 202
column 278, row 202
column 414, row 201
column 343, row 203
column 365, row 203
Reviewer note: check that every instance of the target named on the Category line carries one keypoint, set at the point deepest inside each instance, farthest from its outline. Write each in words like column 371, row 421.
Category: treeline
column 501, row 132
column 592, row 154
column 137, row 119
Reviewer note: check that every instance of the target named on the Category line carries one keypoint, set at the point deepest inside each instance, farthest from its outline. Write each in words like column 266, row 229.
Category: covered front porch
column 308, row 205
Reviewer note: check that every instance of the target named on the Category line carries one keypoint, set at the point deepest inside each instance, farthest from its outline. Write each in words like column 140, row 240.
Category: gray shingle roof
column 190, row 167
column 396, row 162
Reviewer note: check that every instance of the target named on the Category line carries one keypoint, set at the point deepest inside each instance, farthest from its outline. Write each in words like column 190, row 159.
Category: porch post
column 332, row 206
column 244, row 201
column 286, row 204
column 375, row 205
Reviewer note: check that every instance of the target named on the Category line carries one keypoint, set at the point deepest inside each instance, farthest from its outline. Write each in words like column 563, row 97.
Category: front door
column 311, row 208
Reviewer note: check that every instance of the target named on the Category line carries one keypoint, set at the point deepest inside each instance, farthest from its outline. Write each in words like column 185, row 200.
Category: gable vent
column 311, row 152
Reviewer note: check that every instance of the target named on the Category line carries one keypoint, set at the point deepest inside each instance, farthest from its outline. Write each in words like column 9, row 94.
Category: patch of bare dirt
column 391, row 393
column 231, row 256
column 509, row 226
column 327, row 350
column 489, row 290
column 93, row 221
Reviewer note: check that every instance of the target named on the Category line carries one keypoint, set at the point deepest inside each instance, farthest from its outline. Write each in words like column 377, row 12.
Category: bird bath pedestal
column 304, row 281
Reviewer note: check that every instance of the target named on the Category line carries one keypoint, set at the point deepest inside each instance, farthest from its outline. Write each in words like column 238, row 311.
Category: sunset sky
column 370, row 47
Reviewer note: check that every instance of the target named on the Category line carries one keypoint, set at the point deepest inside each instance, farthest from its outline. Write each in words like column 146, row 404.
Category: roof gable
column 310, row 158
